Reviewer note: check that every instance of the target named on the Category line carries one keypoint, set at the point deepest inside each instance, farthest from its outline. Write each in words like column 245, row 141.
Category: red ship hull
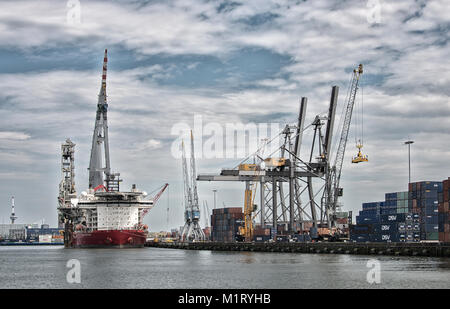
column 109, row 239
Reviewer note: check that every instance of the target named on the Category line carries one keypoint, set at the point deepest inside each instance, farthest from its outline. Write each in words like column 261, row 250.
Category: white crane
column 191, row 229
column 334, row 190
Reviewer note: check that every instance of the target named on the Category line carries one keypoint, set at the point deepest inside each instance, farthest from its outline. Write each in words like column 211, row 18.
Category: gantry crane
column 304, row 177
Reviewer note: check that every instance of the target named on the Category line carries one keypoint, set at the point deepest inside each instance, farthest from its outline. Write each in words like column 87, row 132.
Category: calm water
column 45, row 267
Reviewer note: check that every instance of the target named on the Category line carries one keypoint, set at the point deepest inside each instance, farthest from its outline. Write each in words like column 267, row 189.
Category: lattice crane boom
column 187, row 189
column 195, row 206
column 337, row 168
column 156, row 198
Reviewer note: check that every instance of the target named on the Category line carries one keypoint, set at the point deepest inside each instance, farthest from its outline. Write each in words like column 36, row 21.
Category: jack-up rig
column 191, row 230
column 103, row 216
column 313, row 183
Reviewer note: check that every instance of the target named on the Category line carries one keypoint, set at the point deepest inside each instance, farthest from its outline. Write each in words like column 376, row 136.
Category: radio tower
column 100, row 136
column 13, row 213
column 191, row 229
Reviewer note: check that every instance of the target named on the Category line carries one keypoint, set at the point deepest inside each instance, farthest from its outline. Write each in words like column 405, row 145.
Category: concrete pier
column 394, row 249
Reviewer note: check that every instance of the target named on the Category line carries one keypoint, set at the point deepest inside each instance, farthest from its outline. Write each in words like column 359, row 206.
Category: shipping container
column 261, row 238
column 45, row 238
column 393, row 218
column 302, row 238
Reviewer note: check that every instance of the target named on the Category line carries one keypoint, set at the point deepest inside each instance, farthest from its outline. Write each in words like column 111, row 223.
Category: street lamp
column 215, row 191
column 409, row 158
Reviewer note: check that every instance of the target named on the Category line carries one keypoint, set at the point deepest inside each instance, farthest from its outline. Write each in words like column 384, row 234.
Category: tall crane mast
column 187, row 189
column 335, row 191
column 100, row 136
column 195, row 206
column 191, row 229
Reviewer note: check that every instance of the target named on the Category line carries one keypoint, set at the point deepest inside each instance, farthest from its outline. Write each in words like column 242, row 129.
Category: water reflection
column 34, row 267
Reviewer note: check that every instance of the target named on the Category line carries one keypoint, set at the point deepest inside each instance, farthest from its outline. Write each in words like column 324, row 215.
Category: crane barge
column 102, row 216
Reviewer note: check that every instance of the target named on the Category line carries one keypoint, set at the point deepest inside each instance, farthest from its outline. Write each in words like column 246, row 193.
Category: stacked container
column 225, row 223
column 397, row 203
column 32, row 234
column 399, row 227
column 424, row 201
column 370, row 213
column 387, row 221
column 261, row 234
column 361, row 233
column 444, row 212
column 342, row 222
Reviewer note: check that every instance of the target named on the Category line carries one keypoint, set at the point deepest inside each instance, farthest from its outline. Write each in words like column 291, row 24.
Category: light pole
column 409, row 158
column 215, row 191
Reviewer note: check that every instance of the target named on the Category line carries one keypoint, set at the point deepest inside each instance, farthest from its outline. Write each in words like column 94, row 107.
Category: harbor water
column 46, row 267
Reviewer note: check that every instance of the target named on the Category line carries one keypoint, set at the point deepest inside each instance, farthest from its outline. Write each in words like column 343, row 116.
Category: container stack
column 399, row 227
column 225, row 223
column 444, row 212
column 262, row 234
column 370, row 213
column 387, row 221
column 361, row 233
column 397, row 203
column 424, row 201
column 342, row 221
column 34, row 234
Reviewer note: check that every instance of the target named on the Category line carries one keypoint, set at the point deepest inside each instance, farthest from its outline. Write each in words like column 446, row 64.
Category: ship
column 102, row 216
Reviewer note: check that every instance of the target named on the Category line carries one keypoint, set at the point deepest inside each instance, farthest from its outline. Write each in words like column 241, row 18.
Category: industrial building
column 30, row 233
column 11, row 231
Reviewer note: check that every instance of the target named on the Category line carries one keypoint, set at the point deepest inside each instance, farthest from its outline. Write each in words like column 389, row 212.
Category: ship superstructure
column 102, row 215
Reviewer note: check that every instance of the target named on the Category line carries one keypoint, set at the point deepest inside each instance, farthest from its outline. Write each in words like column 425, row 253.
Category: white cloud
column 14, row 135
column 153, row 144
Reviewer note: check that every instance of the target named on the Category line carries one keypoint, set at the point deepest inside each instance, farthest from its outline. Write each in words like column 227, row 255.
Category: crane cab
column 360, row 157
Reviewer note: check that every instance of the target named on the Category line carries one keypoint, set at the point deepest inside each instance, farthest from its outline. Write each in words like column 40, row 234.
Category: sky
column 227, row 61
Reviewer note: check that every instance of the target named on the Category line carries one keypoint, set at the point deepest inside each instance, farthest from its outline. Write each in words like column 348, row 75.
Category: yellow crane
column 249, row 206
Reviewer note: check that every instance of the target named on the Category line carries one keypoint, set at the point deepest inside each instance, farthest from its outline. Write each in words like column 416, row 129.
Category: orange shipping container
column 444, row 237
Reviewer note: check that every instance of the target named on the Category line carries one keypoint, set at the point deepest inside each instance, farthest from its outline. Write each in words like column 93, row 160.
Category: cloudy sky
column 228, row 61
